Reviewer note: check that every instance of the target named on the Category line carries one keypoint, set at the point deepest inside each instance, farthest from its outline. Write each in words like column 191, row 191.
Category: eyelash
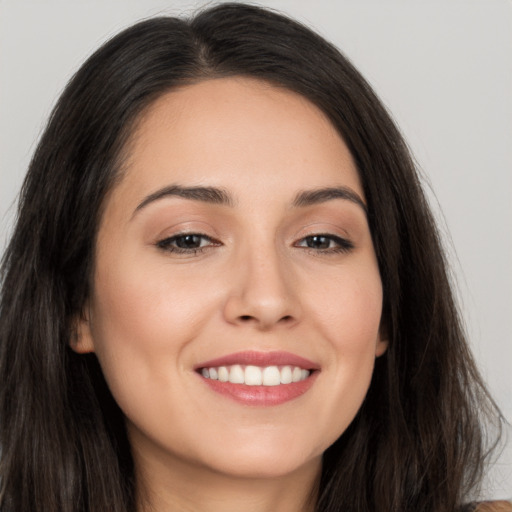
column 342, row 244
column 165, row 244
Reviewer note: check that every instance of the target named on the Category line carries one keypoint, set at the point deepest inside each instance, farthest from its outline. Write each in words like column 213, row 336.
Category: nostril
column 248, row 318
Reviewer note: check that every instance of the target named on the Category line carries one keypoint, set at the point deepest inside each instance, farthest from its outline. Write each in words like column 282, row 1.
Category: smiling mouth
column 259, row 378
column 251, row 375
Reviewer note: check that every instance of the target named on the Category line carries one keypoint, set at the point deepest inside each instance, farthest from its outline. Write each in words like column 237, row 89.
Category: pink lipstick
column 259, row 378
column 261, row 359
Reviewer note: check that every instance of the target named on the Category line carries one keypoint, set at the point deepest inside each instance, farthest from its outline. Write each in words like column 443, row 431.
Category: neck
column 186, row 488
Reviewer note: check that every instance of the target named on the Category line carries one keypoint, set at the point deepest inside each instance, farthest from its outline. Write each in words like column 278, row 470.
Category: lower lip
column 262, row 395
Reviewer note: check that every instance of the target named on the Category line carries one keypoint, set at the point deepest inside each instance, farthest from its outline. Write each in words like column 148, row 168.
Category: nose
column 262, row 292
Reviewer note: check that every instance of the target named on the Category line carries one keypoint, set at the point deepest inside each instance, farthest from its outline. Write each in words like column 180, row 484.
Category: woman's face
column 234, row 255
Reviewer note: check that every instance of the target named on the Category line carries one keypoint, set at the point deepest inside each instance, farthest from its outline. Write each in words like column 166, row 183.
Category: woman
column 225, row 290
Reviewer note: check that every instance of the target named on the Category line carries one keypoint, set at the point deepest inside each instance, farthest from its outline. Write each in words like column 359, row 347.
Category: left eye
column 186, row 242
column 325, row 243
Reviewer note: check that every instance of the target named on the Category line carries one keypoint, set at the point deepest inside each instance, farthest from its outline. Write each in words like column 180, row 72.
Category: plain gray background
column 444, row 69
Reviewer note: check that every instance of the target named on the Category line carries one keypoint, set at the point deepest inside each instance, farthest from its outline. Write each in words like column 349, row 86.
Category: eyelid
column 164, row 243
column 343, row 244
column 323, row 227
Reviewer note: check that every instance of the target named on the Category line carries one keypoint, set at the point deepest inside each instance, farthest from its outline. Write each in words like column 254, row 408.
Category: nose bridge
column 263, row 286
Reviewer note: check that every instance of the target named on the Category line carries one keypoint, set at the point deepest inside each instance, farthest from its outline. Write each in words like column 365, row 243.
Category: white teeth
column 236, row 374
column 271, row 376
column 223, row 374
column 286, row 375
column 255, row 375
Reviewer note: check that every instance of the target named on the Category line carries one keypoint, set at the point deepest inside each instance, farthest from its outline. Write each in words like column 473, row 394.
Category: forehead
column 238, row 132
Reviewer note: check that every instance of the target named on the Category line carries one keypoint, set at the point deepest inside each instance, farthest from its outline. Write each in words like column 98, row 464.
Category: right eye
column 187, row 243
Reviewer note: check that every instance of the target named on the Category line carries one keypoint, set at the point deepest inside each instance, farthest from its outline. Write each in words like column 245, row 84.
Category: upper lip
column 257, row 358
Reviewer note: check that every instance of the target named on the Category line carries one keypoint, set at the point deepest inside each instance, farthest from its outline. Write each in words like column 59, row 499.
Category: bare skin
column 238, row 227
column 185, row 490
column 495, row 506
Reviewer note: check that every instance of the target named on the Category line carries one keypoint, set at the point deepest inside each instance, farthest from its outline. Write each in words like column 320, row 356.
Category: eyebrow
column 322, row 195
column 212, row 195
column 219, row 196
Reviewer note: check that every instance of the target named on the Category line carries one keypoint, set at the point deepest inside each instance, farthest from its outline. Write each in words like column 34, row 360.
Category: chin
column 260, row 466
column 260, row 457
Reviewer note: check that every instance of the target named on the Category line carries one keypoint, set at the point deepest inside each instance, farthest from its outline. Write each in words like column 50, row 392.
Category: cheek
column 142, row 318
column 348, row 308
column 348, row 314
column 135, row 301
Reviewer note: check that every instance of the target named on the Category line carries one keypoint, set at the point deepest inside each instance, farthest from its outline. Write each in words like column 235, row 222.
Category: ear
column 81, row 340
column 382, row 342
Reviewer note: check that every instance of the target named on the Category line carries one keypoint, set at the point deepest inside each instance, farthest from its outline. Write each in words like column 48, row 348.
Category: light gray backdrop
column 444, row 69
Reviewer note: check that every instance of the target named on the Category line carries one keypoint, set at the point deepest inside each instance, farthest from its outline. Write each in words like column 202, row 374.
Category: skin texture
column 496, row 506
column 254, row 284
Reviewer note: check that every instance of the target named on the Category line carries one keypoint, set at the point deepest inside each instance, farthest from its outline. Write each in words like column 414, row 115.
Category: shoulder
column 494, row 506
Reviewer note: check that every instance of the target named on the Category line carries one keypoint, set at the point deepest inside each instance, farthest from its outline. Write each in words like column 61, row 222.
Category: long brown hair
column 416, row 443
